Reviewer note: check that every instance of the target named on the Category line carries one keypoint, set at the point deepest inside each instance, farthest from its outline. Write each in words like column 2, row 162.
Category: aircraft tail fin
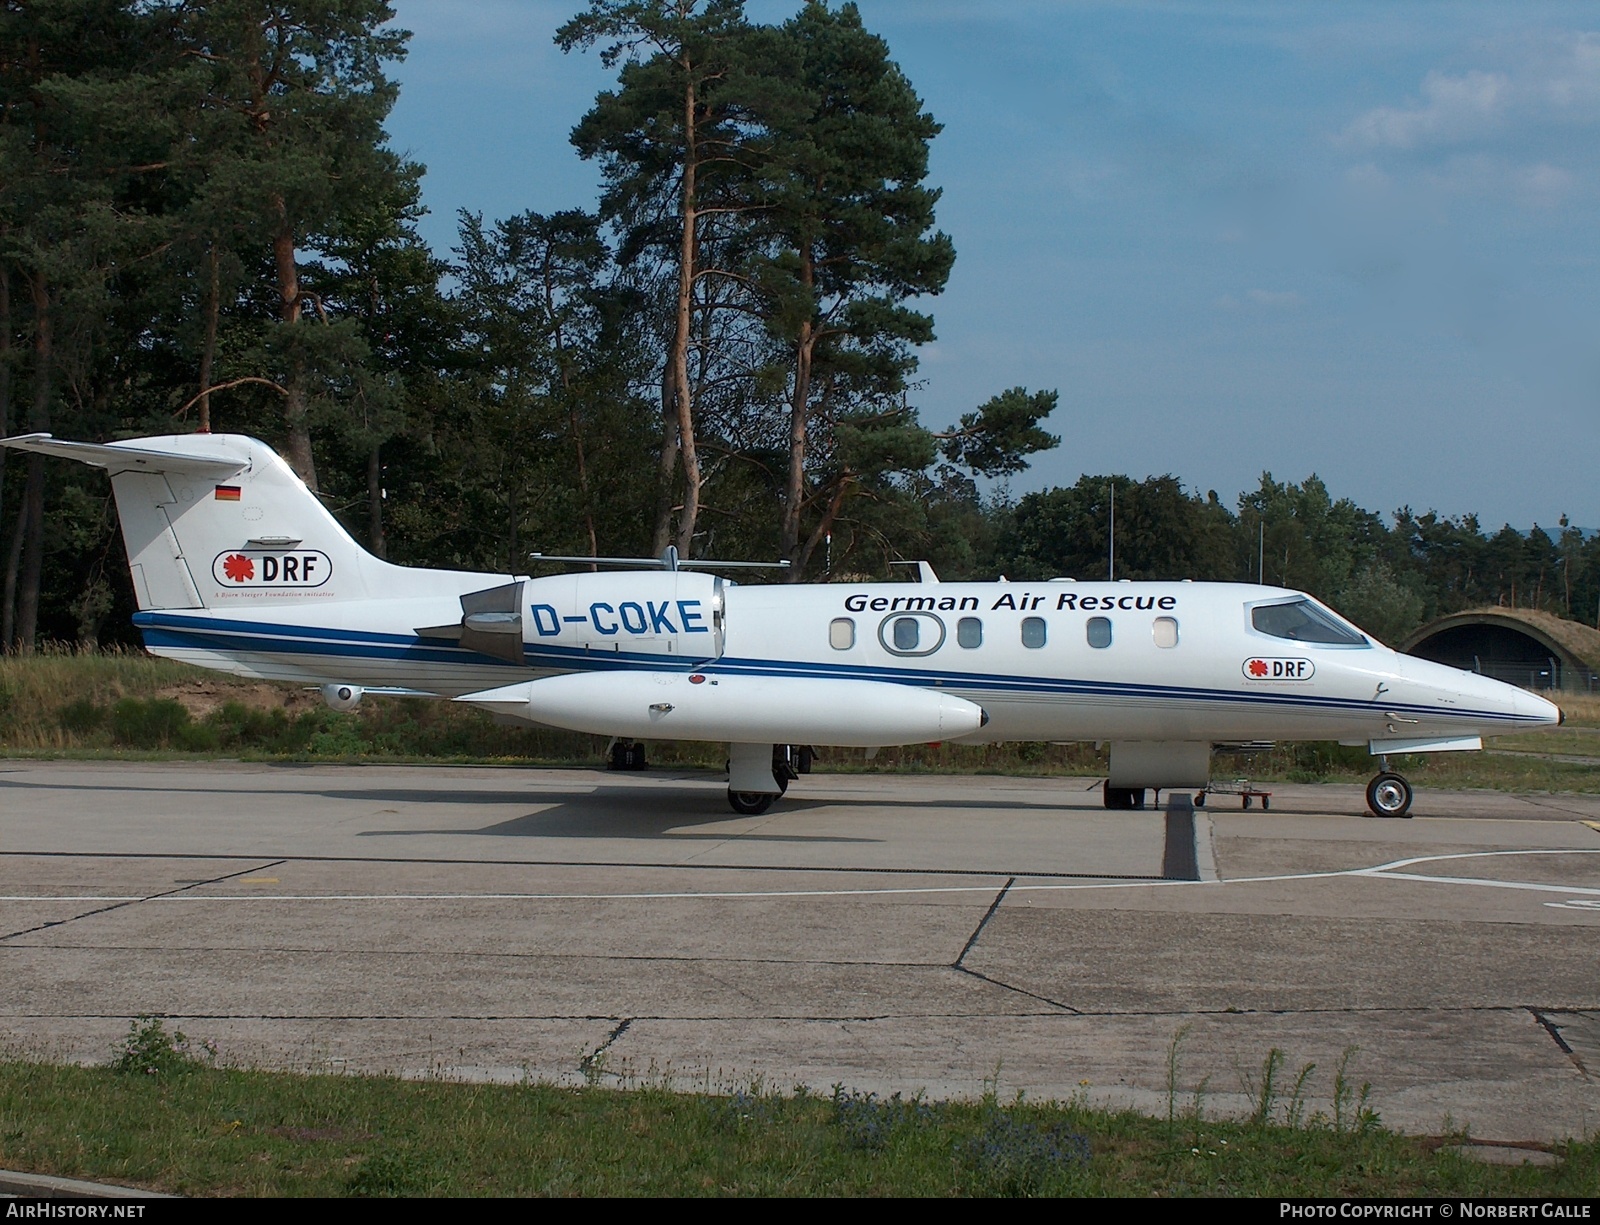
column 221, row 521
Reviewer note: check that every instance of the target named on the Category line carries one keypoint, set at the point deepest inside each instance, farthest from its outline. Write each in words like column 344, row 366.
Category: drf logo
column 1265, row 668
column 256, row 568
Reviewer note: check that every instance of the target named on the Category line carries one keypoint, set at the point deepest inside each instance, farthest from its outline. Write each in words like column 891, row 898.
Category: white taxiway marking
column 1385, row 871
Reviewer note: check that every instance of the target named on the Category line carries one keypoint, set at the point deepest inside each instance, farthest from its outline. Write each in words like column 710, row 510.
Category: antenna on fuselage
column 925, row 572
column 1111, row 538
column 669, row 560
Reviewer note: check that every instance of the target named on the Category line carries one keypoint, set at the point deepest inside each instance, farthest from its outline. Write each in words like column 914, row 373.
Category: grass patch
column 202, row 1130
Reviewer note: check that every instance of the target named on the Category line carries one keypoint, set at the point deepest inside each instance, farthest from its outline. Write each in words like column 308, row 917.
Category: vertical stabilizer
column 220, row 521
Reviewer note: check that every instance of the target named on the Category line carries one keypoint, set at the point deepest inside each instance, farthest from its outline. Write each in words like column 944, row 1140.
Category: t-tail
column 221, row 522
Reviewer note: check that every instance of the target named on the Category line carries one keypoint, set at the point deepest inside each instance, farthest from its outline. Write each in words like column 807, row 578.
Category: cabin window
column 1165, row 631
column 1099, row 631
column 906, row 634
column 969, row 632
column 1303, row 621
column 841, row 633
column 917, row 633
column 1033, row 632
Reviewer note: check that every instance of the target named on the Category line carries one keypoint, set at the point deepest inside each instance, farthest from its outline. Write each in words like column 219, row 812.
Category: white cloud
column 1568, row 76
column 1452, row 109
column 1533, row 184
column 1539, row 82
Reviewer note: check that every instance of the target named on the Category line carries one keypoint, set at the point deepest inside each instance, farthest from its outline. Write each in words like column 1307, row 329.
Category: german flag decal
column 227, row 493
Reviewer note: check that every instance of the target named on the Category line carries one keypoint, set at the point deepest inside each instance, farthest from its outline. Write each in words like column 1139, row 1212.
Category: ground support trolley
column 1240, row 787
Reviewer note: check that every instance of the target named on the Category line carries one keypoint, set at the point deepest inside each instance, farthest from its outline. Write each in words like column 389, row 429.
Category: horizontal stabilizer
column 130, row 457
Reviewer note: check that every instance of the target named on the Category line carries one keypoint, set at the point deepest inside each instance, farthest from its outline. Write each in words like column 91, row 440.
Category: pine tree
column 296, row 101
column 674, row 144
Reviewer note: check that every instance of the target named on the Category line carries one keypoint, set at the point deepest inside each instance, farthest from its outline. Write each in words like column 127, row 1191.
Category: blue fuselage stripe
column 165, row 630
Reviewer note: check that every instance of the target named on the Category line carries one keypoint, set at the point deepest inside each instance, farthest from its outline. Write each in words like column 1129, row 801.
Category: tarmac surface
column 950, row 935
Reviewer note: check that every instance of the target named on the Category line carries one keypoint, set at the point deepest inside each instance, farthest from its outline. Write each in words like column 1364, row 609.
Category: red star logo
column 238, row 567
column 1257, row 668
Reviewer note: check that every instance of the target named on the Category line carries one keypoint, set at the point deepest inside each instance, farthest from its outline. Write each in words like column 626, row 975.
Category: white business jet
column 237, row 566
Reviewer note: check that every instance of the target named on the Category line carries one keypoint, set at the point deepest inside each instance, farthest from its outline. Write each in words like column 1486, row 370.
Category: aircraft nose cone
column 1546, row 712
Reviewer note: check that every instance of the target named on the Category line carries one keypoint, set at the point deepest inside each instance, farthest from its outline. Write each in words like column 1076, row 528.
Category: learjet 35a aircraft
column 237, row 566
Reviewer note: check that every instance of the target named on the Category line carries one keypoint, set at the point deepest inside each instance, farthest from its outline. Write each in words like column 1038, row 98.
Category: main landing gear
column 789, row 762
column 1123, row 797
column 628, row 755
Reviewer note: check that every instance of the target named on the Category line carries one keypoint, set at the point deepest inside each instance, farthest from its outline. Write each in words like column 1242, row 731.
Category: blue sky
column 1360, row 240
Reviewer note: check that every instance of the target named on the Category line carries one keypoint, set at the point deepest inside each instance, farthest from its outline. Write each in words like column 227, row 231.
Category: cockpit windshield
column 1303, row 621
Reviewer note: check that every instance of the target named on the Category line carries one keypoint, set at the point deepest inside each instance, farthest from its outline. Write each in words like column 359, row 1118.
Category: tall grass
column 163, row 1116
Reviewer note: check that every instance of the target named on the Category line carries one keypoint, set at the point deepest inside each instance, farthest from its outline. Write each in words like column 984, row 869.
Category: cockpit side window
column 1303, row 621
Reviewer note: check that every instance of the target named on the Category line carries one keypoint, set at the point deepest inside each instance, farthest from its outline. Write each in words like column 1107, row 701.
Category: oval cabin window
column 917, row 633
column 842, row 633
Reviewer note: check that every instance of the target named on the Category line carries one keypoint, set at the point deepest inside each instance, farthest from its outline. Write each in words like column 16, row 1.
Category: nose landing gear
column 1389, row 795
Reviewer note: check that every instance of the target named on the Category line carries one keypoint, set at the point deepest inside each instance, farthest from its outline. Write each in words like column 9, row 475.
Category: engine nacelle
column 342, row 697
column 676, row 614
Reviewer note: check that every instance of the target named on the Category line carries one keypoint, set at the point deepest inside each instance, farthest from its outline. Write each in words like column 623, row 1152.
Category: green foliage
column 149, row 1050
column 207, row 1130
column 1014, row 1157
column 397, row 1176
column 1162, row 532
column 993, row 440
column 155, row 723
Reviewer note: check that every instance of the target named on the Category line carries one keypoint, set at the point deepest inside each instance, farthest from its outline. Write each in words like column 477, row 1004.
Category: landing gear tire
column 1126, row 798
column 1389, row 795
column 750, row 803
column 625, row 756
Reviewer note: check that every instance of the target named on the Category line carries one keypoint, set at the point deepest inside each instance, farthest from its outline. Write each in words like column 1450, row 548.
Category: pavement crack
column 982, row 923
column 215, row 880
column 959, row 966
column 593, row 1064
column 1554, row 1030
column 1005, row 986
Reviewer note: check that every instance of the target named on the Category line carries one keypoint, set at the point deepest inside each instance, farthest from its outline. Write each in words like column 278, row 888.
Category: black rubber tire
column 1389, row 795
column 750, row 803
column 1125, row 799
column 1200, row 799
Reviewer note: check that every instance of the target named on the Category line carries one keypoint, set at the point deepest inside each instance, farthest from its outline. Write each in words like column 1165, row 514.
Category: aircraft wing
column 126, row 457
